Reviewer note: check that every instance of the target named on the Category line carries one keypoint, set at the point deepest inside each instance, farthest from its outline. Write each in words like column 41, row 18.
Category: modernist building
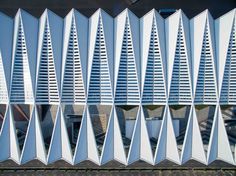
column 124, row 88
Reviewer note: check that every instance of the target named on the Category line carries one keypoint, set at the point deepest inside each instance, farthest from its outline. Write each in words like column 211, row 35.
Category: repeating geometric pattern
column 65, row 67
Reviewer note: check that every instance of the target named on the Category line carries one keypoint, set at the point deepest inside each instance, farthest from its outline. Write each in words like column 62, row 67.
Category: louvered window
column 206, row 82
column 100, row 84
column 73, row 85
column 228, row 91
column 21, row 86
column 47, row 90
column 180, row 89
column 127, row 90
column 154, row 87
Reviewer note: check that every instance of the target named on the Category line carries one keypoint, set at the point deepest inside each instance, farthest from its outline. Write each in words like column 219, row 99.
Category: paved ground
column 114, row 168
column 119, row 172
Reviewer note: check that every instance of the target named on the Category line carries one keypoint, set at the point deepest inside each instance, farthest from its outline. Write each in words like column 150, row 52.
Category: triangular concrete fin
column 65, row 142
column 113, row 148
column 34, row 147
column 86, row 147
column 55, row 149
column 81, row 150
column 219, row 147
column 60, row 145
column 8, row 140
column 166, row 145
column 140, row 148
column 193, row 146
column 92, row 146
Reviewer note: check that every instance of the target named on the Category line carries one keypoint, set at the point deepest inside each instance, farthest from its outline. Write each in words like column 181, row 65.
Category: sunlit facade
column 127, row 89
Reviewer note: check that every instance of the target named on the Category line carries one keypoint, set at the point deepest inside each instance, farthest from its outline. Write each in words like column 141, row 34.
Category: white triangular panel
column 82, row 27
column 100, row 87
column 107, row 24
column 73, row 64
column 219, row 147
column 205, row 82
column 34, row 147
column 152, row 55
column 49, row 58
column 172, row 28
column 23, row 58
column 140, row 147
column 180, row 86
column 31, row 28
column 127, row 59
column 120, row 23
column 86, row 147
column 113, row 148
column 55, row 24
column 166, row 145
column 9, row 148
column 193, row 146
column 60, row 144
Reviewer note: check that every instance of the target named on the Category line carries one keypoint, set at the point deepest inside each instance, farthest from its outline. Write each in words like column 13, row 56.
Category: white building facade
column 126, row 88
